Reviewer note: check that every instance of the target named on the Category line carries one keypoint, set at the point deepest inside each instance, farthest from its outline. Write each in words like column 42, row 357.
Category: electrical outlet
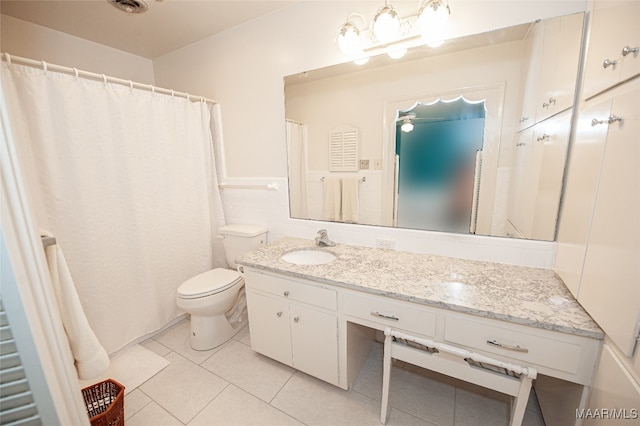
column 364, row 164
column 385, row 243
column 377, row 164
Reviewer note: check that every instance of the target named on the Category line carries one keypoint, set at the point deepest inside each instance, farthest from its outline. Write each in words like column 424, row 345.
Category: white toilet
column 216, row 298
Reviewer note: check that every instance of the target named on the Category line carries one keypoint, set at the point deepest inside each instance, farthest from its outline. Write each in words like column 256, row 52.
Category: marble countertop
column 518, row 294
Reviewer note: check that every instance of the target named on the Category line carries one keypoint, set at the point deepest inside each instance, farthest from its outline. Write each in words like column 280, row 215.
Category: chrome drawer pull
column 379, row 315
column 607, row 63
column 516, row 348
column 612, row 119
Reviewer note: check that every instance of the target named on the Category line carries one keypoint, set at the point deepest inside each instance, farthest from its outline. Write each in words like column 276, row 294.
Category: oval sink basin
column 308, row 257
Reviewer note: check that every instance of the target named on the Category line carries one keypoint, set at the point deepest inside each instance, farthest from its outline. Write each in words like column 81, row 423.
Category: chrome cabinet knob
column 607, row 63
column 628, row 50
column 296, row 319
column 550, row 102
column 286, row 293
column 279, row 314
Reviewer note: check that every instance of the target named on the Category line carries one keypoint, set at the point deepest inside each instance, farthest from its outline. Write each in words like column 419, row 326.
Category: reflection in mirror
column 472, row 92
column 438, row 160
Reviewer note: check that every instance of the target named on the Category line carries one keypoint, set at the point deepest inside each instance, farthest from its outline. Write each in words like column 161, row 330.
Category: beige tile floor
column 232, row 385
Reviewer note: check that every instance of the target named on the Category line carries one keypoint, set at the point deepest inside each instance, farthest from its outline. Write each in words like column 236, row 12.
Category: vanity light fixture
column 349, row 37
column 386, row 24
column 407, row 125
column 433, row 19
column 429, row 24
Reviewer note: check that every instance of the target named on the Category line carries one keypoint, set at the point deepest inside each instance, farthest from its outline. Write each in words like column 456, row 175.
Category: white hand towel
column 332, row 198
column 91, row 359
column 350, row 199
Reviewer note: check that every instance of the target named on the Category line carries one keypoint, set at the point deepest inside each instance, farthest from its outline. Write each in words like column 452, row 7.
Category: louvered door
column 17, row 406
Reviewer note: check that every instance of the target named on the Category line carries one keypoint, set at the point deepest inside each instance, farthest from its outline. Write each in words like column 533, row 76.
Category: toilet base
column 210, row 332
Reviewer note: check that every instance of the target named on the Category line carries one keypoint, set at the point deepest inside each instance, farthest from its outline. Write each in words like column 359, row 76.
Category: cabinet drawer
column 292, row 290
column 399, row 315
column 514, row 342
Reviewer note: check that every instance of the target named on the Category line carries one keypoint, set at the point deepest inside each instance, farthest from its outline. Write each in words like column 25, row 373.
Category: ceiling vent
column 130, row 6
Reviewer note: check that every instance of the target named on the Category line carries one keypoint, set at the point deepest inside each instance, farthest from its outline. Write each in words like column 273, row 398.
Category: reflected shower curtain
column 297, row 148
column 125, row 179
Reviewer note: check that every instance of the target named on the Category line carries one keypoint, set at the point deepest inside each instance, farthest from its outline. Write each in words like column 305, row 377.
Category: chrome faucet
column 323, row 239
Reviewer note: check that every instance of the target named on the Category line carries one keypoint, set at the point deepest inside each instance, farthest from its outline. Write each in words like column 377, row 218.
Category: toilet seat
column 209, row 283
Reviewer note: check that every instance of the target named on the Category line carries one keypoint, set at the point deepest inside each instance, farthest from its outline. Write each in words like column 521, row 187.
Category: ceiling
column 167, row 25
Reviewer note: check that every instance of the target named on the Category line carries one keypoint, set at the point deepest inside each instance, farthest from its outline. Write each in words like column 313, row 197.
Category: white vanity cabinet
column 613, row 54
column 294, row 323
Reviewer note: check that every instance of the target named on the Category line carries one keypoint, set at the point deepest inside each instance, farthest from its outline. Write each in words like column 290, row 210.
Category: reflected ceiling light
column 361, row 61
column 386, row 24
column 407, row 125
column 397, row 54
column 433, row 19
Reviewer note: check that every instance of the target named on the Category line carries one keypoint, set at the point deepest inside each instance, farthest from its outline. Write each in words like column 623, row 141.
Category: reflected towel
column 350, row 199
column 332, row 198
column 91, row 359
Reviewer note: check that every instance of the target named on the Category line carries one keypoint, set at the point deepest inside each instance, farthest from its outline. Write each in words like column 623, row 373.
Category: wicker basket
column 105, row 403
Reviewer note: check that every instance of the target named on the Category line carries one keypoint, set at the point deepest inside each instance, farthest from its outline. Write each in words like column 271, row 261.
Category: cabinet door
column 580, row 193
column 560, row 60
column 552, row 139
column 269, row 326
column 614, row 26
column 314, row 337
column 532, row 58
column 610, row 289
column 520, row 197
column 613, row 388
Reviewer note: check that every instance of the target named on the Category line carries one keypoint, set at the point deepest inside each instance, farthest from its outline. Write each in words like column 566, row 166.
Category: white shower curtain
column 297, row 146
column 125, row 179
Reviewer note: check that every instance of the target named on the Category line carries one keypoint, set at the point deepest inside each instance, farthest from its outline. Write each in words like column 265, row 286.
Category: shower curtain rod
column 9, row 59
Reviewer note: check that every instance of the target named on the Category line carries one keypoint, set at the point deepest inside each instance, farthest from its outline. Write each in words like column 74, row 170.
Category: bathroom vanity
column 322, row 318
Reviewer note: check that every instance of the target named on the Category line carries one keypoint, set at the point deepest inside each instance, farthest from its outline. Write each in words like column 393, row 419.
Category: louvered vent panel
column 17, row 406
column 343, row 149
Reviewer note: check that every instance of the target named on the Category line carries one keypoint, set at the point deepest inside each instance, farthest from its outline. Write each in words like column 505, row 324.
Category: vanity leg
column 386, row 379
column 519, row 404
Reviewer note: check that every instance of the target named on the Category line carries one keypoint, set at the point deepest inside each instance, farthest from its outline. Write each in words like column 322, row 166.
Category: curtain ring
column 153, row 89
column 130, row 84
column 202, row 99
column 44, row 67
column 172, row 93
column 104, row 78
column 8, row 58
column 75, row 72
column 188, row 98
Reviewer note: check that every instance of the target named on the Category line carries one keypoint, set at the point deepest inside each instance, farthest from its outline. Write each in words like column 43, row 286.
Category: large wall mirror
column 470, row 137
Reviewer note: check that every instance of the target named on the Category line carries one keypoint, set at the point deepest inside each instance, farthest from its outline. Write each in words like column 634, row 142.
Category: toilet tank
column 239, row 239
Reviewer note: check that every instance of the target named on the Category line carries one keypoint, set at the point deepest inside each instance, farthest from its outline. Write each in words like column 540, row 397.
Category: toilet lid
column 208, row 283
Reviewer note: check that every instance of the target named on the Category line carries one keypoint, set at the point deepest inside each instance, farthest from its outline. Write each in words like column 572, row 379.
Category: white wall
column 21, row 38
